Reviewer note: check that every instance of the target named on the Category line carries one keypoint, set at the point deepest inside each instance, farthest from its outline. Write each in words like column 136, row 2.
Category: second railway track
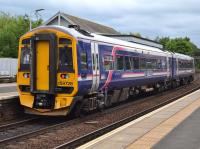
column 26, row 128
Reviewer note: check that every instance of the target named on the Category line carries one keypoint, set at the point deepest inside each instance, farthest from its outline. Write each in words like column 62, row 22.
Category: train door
column 43, row 68
column 174, row 66
column 42, row 65
column 95, row 66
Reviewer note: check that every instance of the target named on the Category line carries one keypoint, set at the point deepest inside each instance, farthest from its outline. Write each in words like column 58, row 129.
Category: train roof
column 95, row 37
column 76, row 34
column 182, row 56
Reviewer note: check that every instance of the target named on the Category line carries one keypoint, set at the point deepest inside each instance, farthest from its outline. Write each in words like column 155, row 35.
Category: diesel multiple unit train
column 63, row 70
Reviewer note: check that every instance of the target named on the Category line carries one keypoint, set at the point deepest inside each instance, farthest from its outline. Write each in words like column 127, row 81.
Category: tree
column 179, row 45
column 163, row 41
column 135, row 34
column 11, row 29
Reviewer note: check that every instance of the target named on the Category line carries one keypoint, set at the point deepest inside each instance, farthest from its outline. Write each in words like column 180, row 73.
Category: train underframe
column 107, row 98
column 81, row 105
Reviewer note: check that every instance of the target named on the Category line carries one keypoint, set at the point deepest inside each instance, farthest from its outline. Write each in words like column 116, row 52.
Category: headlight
column 64, row 76
column 26, row 75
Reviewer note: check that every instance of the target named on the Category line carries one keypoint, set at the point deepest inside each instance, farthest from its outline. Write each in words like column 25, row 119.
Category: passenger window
column 151, row 64
column 148, row 64
column 159, row 64
column 108, row 62
column 164, row 63
column 136, row 62
column 179, row 64
column 142, row 63
column 120, row 62
column 191, row 64
column 84, row 65
column 154, row 63
column 128, row 63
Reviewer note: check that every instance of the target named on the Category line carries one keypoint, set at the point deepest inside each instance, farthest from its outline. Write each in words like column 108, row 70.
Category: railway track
column 16, row 124
column 26, row 128
column 90, row 136
column 37, row 127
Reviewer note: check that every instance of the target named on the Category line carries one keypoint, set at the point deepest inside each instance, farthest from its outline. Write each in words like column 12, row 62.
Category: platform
column 167, row 127
column 8, row 91
column 8, row 87
column 184, row 136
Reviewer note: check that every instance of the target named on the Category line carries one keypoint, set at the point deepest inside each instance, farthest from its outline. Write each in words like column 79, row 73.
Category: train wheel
column 78, row 112
column 174, row 84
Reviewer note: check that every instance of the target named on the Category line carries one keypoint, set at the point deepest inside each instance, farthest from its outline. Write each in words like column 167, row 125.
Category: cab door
column 95, row 66
column 42, row 65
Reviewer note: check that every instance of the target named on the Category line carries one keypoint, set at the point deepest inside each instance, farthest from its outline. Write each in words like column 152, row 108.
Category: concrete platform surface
column 7, row 84
column 184, row 136
column 9, row 95
column 148, row 130
column 8, row 87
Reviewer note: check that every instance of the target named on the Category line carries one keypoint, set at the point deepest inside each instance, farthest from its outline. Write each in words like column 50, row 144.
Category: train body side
column 183, row 68
column 68, row 72
column 121, row 67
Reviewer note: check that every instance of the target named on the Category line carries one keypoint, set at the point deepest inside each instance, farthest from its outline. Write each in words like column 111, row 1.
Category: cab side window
column 25, row 59
column 65, row 55
column 65, row 59
column 84, row 65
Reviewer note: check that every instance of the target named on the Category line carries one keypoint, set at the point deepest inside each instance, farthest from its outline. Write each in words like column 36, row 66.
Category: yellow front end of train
column 47, row 71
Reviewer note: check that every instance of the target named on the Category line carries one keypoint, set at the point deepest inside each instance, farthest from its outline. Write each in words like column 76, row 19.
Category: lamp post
column 30, row 16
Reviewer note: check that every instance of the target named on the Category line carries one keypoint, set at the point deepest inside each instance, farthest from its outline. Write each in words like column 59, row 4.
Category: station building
column 64, row 19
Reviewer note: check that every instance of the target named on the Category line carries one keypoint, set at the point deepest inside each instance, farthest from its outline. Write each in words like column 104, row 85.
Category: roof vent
column 77, row 28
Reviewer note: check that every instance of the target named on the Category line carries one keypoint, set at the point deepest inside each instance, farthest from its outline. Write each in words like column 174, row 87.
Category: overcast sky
column 151, row 18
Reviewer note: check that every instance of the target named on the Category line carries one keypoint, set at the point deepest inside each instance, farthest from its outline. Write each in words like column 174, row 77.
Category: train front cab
column 47, row 72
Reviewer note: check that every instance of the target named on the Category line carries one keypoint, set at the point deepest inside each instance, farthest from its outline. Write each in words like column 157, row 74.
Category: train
column 67, row 70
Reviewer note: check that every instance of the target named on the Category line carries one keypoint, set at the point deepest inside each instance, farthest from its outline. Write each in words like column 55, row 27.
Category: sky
column 150, row 18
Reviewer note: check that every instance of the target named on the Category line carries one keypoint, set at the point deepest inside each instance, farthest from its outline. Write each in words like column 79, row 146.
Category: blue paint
column 117, row 81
